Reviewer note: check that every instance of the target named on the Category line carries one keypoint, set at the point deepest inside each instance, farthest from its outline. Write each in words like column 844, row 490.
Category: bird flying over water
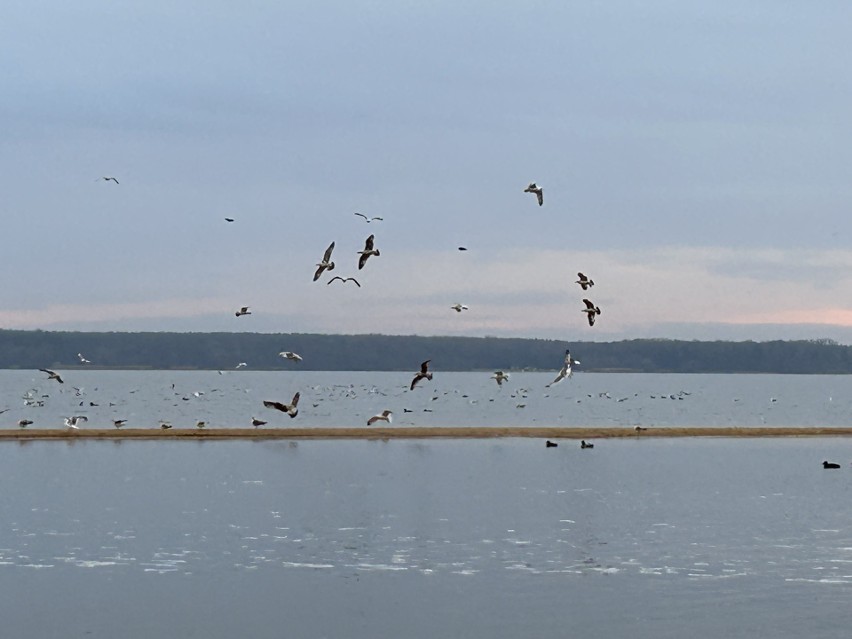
column 344, row 280
column 52, row 375
column 367, row 252
column 241, row 365
column 458, row 308
column 591, row 310
column 291, row 408
column 539, row 192
column 369, row 219
column 500, row 377
column 386, row 416
column 244, row 310
column 584, row 281
column 83, row 360
column 423, row 374
column 326, row 262
column 290, row 355
column 566, row 369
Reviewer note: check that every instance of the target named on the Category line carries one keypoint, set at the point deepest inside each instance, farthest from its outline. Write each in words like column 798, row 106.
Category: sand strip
column 483, row 432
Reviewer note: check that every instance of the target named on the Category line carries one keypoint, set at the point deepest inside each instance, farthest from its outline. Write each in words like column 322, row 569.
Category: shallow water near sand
column 462, row 538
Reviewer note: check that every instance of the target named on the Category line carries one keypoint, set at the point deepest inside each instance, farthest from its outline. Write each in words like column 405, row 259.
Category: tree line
column 160, row 350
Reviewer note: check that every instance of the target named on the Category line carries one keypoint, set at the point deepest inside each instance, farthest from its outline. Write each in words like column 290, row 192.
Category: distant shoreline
column 483, row 432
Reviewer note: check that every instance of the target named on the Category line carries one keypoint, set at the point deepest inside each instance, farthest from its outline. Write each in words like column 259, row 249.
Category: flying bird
column 369, row 219
column 423, row 374
column 500, row 377
column 106, row 178
column 244, row 310
column 539, row 192
column 458, row 308
column 52, row 375
column 290, row 355
column 566, row 369
column 386, row 416
column 71, row 422
column 83, row 360
column 257, row 422
column 291, row 408
column 584, row 281
column 344, row 280
column 462, row 248
column 241, row 365
column 229, row 219
column 367, row 252
column 591, row 310
column 326, row 262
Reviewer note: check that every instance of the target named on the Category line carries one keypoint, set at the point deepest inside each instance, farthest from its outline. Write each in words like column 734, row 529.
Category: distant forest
column 49, row 349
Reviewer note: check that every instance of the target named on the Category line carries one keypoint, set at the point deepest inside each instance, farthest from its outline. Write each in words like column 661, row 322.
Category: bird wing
column 320, row 269
column 540, row 196
column 368, row 245
column 589, row 304
column 362, row 260
column 295, row 401
column 276, row 405
column 336, row 277
column 424, row 367
column 362, row 215
column 327, row 256
column 416, row 379
column 591, row 317
column 354, row 280
column 373, row 420
column 380, row 219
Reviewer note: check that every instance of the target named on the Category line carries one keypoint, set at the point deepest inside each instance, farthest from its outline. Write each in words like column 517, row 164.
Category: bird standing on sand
column 244, row 310
column 584, row 281
column 290, row 355
column 344, row 280
column 458, row 308
column 500, row 377
column 367, row 252
column 591, row 310
column 52, row 375
column 369, row 219
column 291, row 408
column 539, row 192
column 386, row 416
column 23, row 423
column 257, row 422
column 118, row 423
column 423, row 374
column 566, row 370
column 326, row 263
column 165, row 425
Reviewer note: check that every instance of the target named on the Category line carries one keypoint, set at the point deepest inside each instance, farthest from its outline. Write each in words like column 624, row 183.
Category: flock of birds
column 327, row 265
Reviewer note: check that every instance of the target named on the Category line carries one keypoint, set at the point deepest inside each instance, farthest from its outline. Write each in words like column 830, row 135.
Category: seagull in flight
column 369, row 219
column 386, row 416
column 458, row 308
column 423, row 374
column 71, row 422
column 367, row 252
column 326, row 262
column 500, row 377
column 591, row 310
column 107, row 178
column 344, row 280
column 566, row 369
column 290, row 355
column 539, row 192
column 241, row 365
column 244, row 310
column 584, row 281
column 229, row 219
column 291, row 408
column 83, row 360
column 462, row 248
column 52, row 375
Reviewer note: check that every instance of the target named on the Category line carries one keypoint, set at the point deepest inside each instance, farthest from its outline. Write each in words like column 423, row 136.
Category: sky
column 695, row 159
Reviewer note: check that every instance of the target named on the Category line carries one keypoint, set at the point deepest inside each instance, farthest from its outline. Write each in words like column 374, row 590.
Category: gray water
column 438, row 538
column 343, row 399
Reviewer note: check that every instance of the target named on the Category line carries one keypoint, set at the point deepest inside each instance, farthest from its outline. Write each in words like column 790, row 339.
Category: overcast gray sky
column 695, row 158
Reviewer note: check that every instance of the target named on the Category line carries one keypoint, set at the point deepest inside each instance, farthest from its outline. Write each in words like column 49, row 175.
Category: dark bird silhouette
column 257, row 422
column 423, row 374
column 367, row 252
column 591, row 311
column 584, row 444
column 52, row 375
column 107, row 178
column 369, row 219
column 344, row 280
column 550, row 444
column 291, row 408
column 245, row 310
column 229, row 219
column 826, row 464
column 584, row 281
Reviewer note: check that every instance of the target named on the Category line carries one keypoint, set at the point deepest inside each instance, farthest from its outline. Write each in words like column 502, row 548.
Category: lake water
column 438, row 538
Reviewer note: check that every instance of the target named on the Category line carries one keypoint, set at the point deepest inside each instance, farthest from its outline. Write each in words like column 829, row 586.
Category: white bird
column 423, row 374
column 591, row 310
column 369, row 219
column 500, row 377
column 290, row 355
column 83, row 360
column 367, row 252
column 291, row 408
column 386, row 416
column 539, row 192
column 244, row 310
column 458, row 308
column 326, row 263
column 241, row 365
column 71, row 422
column 566, row 369
column 584, row 281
